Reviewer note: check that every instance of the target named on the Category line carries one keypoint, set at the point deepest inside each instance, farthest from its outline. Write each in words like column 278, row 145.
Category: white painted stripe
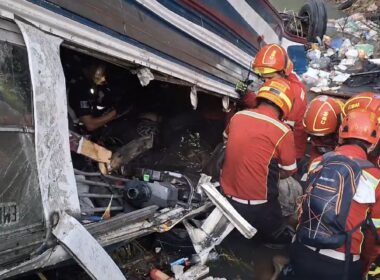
column 288, row 167
column 258, row 23
column 280, row 125
column 205, row 36
column 87, row 37
column 255, row 21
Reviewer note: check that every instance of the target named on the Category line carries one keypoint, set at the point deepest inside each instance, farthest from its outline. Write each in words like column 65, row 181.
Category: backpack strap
column 372, row 228
column 348, row 255
column 328, row 155
column 363, row 163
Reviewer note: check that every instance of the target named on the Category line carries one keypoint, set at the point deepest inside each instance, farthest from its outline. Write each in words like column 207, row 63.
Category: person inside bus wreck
column 89, row 95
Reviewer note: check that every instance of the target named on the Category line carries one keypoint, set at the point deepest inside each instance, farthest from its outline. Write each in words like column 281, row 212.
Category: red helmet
column 360, row 124
column 270, row 59
column 365, row 100
column 322, row 116
column 277, row 90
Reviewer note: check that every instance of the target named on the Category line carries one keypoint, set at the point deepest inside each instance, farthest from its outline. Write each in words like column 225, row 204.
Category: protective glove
column 242, row 86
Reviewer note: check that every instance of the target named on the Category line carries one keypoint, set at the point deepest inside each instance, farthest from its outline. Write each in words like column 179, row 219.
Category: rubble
column 343, row 55
column 370, row 6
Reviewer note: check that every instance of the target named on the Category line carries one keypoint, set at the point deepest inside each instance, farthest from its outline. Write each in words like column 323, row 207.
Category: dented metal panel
column 130, row 19
column 82, row 35
column 54, row 167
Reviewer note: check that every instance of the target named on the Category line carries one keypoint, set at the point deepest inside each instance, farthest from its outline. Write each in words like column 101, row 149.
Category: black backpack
column 331, row 187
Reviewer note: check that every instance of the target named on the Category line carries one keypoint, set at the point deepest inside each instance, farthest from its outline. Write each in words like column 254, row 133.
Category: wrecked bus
column 178, row 59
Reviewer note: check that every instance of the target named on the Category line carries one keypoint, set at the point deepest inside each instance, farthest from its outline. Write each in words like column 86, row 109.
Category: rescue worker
column 84, row 98
column 368, row 101
column 358, row 135
column 321, row 121
column 259, row 151
column 364, row 100
column 272, row 61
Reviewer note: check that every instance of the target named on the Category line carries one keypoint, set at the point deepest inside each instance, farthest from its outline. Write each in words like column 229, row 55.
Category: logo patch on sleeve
column 85, row 104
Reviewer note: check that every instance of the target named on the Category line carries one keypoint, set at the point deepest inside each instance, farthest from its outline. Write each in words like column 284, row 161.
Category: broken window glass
column 15, row 86
column 21, row 212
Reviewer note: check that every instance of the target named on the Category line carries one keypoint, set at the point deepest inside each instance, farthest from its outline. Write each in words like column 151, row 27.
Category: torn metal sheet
column 118, row 229
column 222, row 220
column 162, row 221
column 212, row 232
column 85, row 249
column 245, row 228
column 54, row 167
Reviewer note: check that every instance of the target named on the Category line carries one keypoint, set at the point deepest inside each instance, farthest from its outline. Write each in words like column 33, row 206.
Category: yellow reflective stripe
column 264, row 70
column 376, row 222
column 265, row 118
column 313, row 165
column 374, row 182
column 264, row 89
column 374, row 272
column 287, row 100
column 282, row 95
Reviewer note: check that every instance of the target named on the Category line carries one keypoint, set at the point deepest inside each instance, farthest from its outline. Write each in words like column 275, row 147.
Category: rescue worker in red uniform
column 358, row 135
column 259, row 150
column 272, row 61
column 368, row 101
column 321, row 121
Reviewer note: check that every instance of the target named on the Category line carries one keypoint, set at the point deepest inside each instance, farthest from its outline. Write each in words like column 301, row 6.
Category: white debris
column 352, row 53
column 375, row 61
column 329, row 52
column 313, row 55
column 325, row 89
column 195, row 272
column 340, row 77
column 178, row 271
column 145, row 76
column 341, row 67
column 194, row 97
column 372, row 8
column 348, row 61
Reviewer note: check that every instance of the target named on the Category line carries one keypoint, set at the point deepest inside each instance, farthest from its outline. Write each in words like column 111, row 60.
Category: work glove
column 242, row 86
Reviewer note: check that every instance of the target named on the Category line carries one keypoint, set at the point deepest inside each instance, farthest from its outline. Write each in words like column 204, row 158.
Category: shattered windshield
column 15, row 88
